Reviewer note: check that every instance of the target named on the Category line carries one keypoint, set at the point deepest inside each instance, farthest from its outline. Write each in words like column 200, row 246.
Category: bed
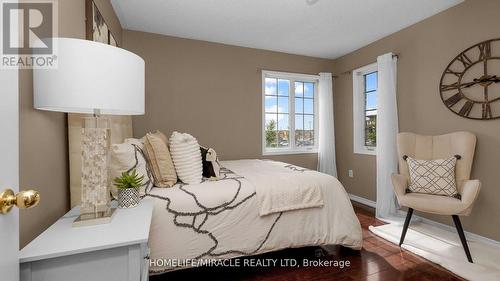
column 224, row 219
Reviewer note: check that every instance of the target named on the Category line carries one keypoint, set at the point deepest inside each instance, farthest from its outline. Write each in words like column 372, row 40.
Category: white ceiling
column 318, row 28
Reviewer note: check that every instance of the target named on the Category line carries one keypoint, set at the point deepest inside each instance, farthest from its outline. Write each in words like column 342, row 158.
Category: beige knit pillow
column 158, row 155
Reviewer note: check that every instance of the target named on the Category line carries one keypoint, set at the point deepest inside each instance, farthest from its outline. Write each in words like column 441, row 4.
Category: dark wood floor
column 378, row 260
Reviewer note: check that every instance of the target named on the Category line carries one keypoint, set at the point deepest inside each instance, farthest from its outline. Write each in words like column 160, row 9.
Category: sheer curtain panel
column 387, row 130
column 326, row 146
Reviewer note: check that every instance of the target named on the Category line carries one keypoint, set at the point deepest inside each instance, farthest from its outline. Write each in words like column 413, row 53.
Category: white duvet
column 220, row 219
column 278, row 189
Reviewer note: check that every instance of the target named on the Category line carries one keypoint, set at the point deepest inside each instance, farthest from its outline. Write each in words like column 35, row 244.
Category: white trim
column 286, row 151
column 362, row 200
column 358, row 110
column 363, row 149
column 470, row 235
column 292, row 77
column 9, row 166
column 263, row 113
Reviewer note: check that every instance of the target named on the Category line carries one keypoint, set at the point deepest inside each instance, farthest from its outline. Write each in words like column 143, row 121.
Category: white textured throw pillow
column 433, row 176
column 125, row 157
column 185, row 152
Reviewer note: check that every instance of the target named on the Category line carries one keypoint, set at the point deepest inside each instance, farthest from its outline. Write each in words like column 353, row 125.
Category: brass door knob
column 23, row 200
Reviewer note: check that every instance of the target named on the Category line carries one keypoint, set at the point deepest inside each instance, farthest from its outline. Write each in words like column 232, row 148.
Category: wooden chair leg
column 405, row 226
column 460, row 231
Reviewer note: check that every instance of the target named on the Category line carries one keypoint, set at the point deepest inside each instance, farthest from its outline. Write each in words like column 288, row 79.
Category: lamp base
column 94, row 218
column 95, row 147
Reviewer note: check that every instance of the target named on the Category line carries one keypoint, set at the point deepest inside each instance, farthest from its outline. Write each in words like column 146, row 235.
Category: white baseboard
column 470, row 235
column 362, row 200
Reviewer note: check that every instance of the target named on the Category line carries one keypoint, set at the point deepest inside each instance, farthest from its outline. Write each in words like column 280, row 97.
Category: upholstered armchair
column 460, row 144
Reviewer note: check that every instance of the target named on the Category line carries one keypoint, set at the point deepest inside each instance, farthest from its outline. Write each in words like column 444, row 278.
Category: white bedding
column 279, row 189
column 220, row 219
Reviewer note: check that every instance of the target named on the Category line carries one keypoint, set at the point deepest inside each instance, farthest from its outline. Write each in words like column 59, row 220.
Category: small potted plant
column 128, row 189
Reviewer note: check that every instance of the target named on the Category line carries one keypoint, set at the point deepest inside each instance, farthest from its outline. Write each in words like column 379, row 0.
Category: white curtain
column 387, row 130
column 326, row 144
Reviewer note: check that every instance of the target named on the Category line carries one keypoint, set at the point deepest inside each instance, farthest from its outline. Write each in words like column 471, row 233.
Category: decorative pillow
column 158, row 156
column 127, row 156
column 211, row 165
column 186, row 154
column 433, row 176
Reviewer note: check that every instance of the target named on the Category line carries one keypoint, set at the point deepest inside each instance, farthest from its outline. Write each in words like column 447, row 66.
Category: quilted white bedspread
column 220, row 219
column 279, row 189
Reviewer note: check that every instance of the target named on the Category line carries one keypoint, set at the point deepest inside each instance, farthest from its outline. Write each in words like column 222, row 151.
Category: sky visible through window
column 371, row 85
column 370, row 93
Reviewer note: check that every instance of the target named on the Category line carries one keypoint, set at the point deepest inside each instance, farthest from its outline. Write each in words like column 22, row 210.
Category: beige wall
column 425, row 50
column 43, row 135
column 212, row 91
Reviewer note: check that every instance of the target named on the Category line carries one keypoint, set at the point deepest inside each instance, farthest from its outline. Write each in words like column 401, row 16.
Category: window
column 365, row 87
column 289, row 113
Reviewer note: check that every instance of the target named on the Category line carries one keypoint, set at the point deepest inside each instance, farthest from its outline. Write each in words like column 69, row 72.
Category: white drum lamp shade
column 91, row 76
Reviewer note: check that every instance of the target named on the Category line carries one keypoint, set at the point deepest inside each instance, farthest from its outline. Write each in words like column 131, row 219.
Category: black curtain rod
column 350, row 71
column 334, row 76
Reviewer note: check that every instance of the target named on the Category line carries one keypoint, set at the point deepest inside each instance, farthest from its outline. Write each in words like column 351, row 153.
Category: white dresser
column 117, row 251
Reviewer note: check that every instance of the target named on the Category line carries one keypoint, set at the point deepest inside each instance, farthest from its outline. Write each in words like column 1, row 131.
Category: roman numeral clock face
column 470, row 85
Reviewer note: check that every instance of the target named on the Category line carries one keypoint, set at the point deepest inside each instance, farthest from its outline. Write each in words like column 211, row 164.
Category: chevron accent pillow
column 433, row 176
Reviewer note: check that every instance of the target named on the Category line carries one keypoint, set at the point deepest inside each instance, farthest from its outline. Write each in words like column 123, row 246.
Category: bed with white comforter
column 257, row 206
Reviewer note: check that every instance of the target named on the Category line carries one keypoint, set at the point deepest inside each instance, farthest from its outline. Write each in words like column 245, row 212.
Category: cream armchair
column 461, row 144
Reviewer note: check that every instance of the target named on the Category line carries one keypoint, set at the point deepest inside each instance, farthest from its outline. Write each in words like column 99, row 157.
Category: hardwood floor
column 378, row 260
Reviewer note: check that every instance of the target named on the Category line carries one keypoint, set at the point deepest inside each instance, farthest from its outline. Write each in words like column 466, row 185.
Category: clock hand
column 493, row 79
column 470, row 84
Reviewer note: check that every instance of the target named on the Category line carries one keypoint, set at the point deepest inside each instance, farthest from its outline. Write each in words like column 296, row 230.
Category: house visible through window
column 290, row 113
column 365, row 88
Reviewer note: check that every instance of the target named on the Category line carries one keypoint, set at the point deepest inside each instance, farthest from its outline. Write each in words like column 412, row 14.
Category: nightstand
column 107, row 252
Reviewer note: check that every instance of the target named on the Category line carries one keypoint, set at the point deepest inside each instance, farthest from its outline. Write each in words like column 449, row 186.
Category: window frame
column 359, row 109
column 292, row 77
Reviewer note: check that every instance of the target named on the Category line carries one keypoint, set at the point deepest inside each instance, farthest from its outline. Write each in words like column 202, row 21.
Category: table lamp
column 92, row 78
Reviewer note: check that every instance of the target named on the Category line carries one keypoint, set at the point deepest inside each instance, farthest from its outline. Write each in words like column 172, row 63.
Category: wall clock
column 470, row 85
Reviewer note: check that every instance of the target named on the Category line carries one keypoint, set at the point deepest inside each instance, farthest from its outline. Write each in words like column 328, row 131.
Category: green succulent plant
column 128, row 180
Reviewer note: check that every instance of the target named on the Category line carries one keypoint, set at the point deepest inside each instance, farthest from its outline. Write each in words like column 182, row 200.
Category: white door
column 9, row 172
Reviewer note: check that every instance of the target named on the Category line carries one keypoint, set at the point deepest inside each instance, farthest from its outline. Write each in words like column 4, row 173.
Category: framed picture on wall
column 96, row 27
